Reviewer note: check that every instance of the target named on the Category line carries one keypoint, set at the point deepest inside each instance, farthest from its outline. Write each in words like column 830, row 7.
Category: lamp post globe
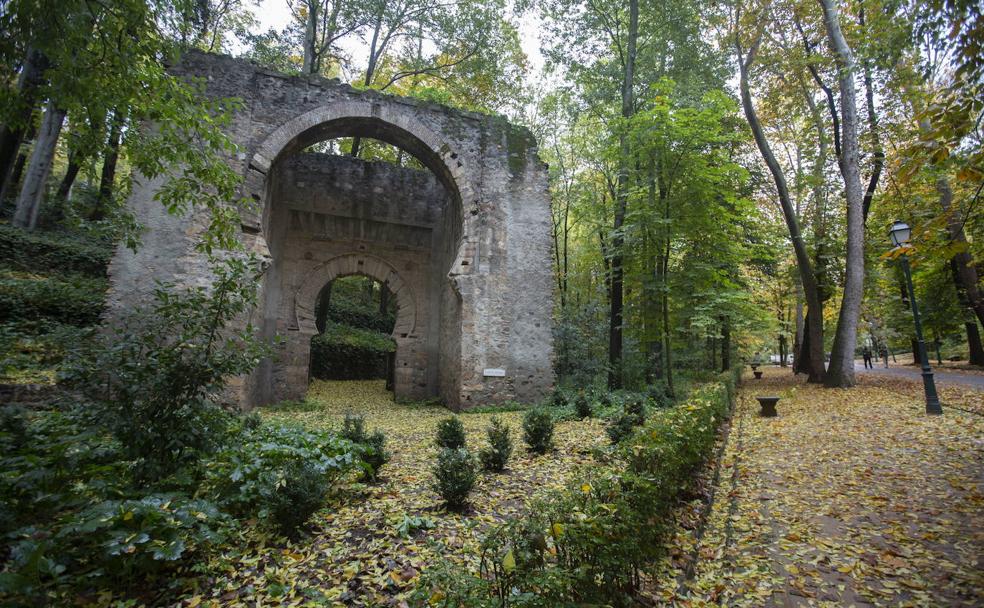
column 900, row 233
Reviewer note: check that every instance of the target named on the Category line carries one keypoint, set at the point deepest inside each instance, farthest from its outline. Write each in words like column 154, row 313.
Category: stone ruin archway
column 471, row 240
column 303, row 302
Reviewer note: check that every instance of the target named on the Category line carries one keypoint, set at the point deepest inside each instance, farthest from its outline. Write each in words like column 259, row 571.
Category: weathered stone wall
column 493, row 274
column 338, row 209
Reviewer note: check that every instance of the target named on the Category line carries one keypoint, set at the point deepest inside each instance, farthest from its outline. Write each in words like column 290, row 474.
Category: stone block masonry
column 465, row 247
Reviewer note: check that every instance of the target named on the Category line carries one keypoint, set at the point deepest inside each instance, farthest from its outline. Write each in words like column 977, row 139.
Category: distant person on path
column 866, row 353
column 884, row 354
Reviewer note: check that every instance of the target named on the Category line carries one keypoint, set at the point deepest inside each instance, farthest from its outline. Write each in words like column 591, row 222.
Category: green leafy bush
column 343, row 352
column 635, row 407
column 538, row 428
column 71, row 299
column 278, row 473
column 166, row 366
column 621, row 426
column 374, row 452
column 450, row 433
column 582, row 405
column 588, row 544
column 454, row 476
column 659, row 394
column 495, row 456
column 40, row 251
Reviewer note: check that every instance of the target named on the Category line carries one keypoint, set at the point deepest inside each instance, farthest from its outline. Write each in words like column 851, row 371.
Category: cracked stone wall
column 474, row 267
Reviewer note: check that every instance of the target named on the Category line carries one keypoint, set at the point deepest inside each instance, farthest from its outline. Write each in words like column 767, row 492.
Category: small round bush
column 559, row 398
column 450, row 433
column 538, row 428
column 635, row 407
column 454, row 476
column 620, row 427
column 302, row 494
column 375, row 456
column 659, row 394
column 496, row 455
column 582, row 405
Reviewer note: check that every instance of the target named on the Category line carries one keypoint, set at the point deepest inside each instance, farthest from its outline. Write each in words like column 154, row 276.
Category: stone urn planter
column 768, row 406
column 758, row 374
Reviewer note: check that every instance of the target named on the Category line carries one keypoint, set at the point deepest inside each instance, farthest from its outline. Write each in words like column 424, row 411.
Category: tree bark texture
column 32, row 192
column 840, row 372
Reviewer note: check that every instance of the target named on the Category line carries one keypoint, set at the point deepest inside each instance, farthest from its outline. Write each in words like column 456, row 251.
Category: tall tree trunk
column 384, row 298
column 12, row 133
column 808, row 277
column 374, row 53
column 621, row 204
column 725, row 345
column 878, row 154
column 32, row 192
column 310, row 38
column 69, row 179
column 976, row 354
column 964, row 270
column 107, row 178
column 840, row 372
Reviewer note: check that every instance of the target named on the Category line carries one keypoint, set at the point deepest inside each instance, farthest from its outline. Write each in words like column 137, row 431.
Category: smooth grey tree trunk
column 12, row 135
column 808, row 279
column 32, row 192
column 840, row 372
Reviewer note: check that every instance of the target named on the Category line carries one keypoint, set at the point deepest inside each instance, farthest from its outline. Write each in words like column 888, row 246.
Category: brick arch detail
column 400, row 116
column 306, row 295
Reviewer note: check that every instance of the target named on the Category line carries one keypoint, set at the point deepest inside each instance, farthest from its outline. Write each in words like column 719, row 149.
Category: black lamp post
column 900, row 234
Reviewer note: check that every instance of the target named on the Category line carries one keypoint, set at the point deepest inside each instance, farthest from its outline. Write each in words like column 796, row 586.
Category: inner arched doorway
column 331, row 215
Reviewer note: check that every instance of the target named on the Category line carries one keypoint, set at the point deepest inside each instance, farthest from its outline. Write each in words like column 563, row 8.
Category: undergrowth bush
column 587, row 545
column 39, row 251
column 621, row 426
column 374, row 444
column 454, row 476
column 70, row 298
column 495, row 456
column 538, row 428
column 582, row 405
column 450, row 433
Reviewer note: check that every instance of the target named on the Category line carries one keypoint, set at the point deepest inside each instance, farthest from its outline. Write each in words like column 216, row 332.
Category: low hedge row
column 587, row 544
column 41, row 251
column 343, row 352
column 72, row 300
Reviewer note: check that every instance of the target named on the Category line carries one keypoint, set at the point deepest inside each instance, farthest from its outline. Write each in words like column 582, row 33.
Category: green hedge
column 41, row 251
column 343, row 352
column 587, row 544
column 72, row 299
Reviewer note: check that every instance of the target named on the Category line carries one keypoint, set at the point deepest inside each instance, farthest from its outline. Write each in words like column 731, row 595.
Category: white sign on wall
column 494, row 372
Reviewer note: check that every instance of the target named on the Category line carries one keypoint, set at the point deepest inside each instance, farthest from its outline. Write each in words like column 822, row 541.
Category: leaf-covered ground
column 849, row 497
column 356, row 553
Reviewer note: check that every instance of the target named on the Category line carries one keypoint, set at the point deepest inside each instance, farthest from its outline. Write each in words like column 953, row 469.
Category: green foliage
column 635, row 408
column 61, row 252
column 166, row 366
column 450, row 433
column 495, row 456
column 409, row 526
column 68, row 299
column 587, row 545
column 279, row 474
column 344, row 352
column 582, row 405
column 454, row 476
column 374, row 444
column 538, row 428
column 621, row 426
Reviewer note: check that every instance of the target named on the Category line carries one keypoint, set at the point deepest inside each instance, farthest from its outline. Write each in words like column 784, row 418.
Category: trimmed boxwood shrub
column 496, row 455
column 343, row 352
column 374, row 453
column 454, row 476
column 587, row 545
column 450, row 433
column 538, row 428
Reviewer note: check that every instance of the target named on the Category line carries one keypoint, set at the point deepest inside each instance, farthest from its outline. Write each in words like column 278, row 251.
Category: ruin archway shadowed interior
column 466, row 245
